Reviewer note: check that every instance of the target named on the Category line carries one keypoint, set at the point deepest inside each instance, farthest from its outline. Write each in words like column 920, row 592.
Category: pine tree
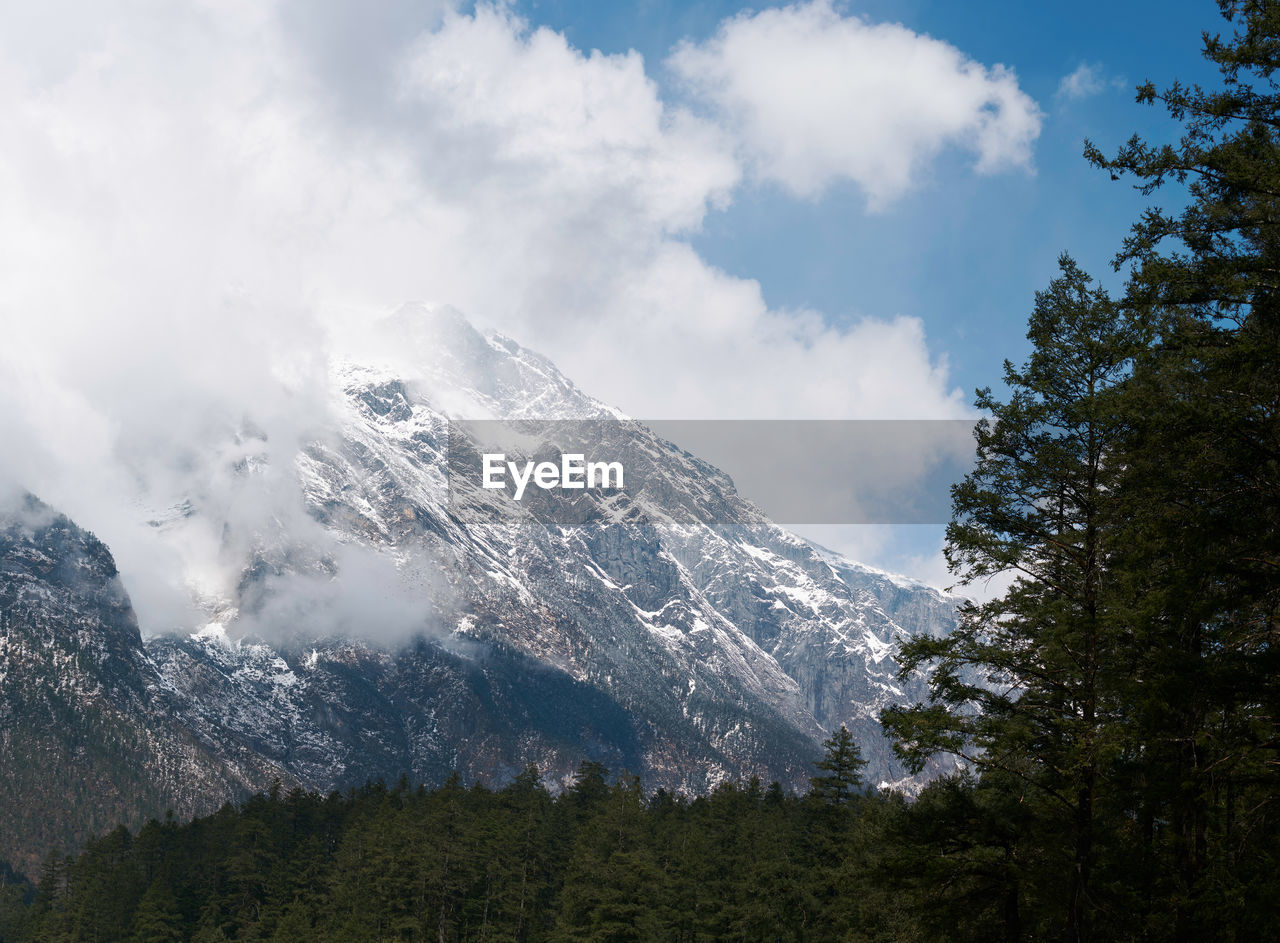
column 1202, row 492
column 1020, row 691
column 960, row 857
column 612, row 882
column 842, row 765
column 15, row 900
column 157, row 919
column 294, row 925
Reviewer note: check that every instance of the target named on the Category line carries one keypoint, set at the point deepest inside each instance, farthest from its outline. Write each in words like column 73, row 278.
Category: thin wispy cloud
column 1085, row 81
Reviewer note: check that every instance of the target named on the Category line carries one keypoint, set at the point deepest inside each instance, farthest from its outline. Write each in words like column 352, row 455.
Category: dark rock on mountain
column 88, row 737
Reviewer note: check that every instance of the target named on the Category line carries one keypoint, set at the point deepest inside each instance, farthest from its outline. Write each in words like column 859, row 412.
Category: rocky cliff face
column 88, row 735
column 412, row 622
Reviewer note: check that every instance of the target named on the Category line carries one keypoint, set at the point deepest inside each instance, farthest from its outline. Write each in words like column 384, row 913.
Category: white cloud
column 1085, row 81
column 815, row 97
column 195, row 194
column 702, row 344
column 540, row 117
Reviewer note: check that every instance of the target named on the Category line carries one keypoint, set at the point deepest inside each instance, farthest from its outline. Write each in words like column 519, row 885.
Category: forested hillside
column 602, row 861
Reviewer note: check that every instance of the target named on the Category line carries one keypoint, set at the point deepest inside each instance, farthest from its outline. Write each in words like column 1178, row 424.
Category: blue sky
column 965, row 253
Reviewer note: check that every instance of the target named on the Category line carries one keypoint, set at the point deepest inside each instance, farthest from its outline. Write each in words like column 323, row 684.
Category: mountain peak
column 462, row 372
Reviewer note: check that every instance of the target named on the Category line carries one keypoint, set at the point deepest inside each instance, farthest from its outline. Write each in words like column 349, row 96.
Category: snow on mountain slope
column 671, row 627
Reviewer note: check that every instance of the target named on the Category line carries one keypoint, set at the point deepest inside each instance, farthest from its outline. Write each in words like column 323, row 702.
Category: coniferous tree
column 15, row 898
column 841, row 766
column 612, row 881
column 523, row 874
column 294, row 926
column 157, row 919
column 1201, row 493
column 961, row 858
column 1205, row 282
column 1020, row 691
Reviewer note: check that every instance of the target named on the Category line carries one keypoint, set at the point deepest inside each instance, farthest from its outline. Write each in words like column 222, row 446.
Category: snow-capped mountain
column 725, row 645
column 413, row 622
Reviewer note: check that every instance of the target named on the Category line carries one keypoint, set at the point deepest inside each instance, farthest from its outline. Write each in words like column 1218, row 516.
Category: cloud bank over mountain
column 203, row 203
